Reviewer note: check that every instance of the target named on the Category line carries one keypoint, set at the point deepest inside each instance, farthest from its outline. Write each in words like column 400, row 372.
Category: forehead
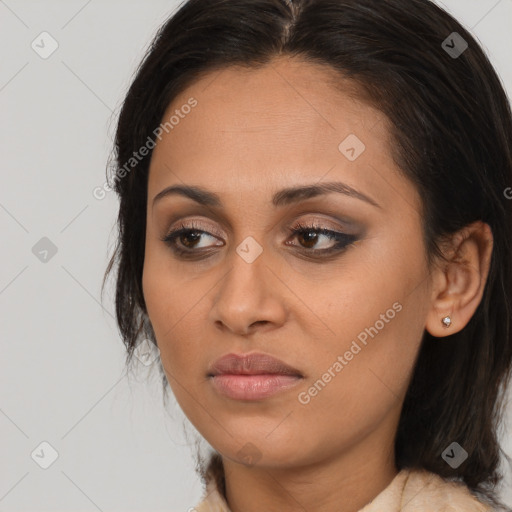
column 265, row 128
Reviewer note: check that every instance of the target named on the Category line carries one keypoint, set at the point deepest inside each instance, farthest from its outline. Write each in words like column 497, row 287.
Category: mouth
column 252, row 376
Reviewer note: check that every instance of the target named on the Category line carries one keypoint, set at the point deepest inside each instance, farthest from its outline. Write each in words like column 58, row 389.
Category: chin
column 259, row 449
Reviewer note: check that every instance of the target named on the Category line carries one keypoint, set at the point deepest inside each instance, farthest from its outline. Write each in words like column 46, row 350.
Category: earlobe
column 460, row 282
column 447, row 321
column 441, row 325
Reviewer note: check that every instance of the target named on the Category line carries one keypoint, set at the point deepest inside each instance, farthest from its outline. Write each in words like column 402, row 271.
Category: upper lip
column 251, row 364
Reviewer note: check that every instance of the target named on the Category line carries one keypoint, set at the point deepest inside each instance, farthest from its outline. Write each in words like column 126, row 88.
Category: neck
column 341, row 483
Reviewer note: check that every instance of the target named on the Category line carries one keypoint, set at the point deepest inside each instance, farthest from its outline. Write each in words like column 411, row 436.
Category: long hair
column 452, row 131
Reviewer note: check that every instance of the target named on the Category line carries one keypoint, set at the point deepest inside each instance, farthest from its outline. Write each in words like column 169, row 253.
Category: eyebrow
column 283, row 197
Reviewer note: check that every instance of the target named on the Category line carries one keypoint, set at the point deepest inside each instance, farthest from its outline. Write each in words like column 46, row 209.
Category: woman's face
column 348, row 313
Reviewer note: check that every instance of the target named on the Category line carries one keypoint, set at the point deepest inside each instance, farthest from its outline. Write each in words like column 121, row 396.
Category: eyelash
column 343, row 239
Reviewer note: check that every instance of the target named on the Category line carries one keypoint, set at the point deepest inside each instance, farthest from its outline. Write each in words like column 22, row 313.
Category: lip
column 252, row 376
column 251, row 364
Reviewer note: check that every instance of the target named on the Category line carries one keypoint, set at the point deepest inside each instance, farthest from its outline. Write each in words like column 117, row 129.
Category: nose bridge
column 245, row 295
column 245, row 282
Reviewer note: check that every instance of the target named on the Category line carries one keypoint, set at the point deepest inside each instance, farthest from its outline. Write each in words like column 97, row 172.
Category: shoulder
column 410, row 491
column 427, row 491
column 414, row 490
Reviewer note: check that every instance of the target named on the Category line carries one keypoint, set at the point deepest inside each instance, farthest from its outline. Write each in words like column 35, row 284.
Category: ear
column 458, row 284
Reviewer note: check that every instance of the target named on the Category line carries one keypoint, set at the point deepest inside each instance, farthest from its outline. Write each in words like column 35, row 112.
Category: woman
column 314, row 230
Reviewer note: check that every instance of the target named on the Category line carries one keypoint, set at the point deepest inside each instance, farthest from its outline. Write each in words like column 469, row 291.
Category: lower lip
column 253, row 387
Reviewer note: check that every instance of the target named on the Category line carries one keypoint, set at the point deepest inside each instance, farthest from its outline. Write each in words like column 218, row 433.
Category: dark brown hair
column 451, row 126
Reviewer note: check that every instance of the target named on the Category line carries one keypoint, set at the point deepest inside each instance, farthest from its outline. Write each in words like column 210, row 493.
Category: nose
column 249, row 298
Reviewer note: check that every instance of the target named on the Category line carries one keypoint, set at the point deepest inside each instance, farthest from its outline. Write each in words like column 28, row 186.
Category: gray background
column 63, row 378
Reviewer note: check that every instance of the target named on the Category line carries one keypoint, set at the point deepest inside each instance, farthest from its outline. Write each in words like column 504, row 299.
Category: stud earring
column 446, row 321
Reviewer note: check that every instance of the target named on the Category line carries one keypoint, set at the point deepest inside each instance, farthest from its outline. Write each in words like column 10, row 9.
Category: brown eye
column 312, row 235
column 190, row 237
column 313, row 239
column 184, row 239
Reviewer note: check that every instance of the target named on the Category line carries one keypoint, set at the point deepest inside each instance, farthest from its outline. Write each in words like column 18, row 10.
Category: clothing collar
column 409, row 491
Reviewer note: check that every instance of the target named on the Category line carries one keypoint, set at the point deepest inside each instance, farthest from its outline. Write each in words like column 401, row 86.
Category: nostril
column 260, row 322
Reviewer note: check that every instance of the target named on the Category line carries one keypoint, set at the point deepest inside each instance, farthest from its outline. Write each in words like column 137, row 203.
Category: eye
column 184, row 239
column 310, row 235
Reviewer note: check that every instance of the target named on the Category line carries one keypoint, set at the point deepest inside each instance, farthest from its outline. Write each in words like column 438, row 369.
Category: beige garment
column 409, row 491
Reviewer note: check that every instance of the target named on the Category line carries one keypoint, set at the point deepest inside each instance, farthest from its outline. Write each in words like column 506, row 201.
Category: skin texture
column 252, row 133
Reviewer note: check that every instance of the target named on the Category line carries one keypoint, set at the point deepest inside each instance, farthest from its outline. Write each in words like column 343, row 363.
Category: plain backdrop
column 108, row 441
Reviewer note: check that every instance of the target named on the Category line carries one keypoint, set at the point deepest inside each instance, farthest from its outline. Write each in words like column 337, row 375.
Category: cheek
column 354, row 386
column 164, row 310
column 174, row 308
column 376, row 314
column 372, row 288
